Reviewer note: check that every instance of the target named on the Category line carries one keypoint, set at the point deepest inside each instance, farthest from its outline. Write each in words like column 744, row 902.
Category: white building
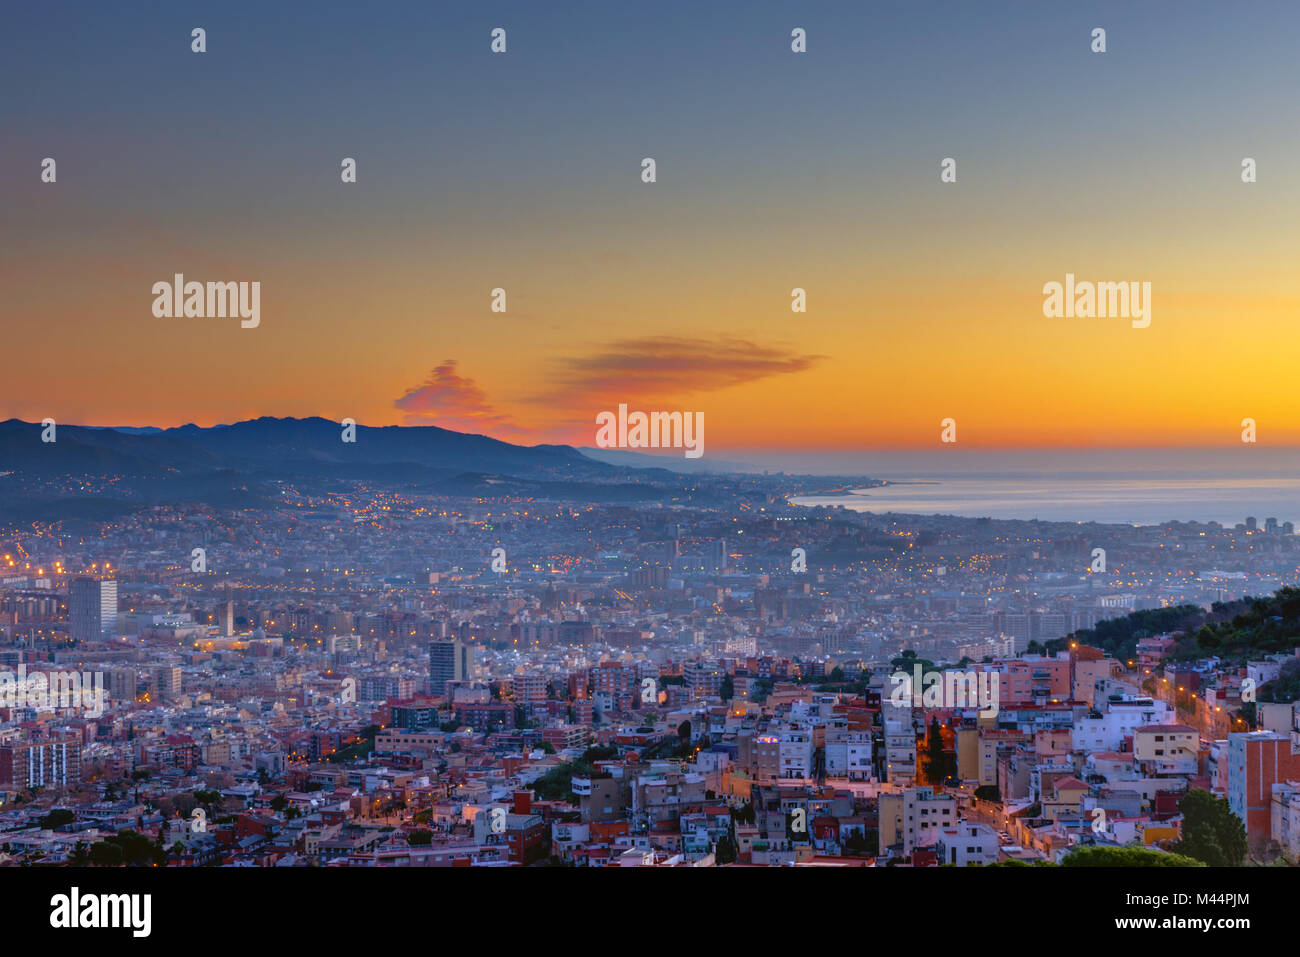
column 1106, row 731
column 967, row 844
column 849, row 754
column 795, row 753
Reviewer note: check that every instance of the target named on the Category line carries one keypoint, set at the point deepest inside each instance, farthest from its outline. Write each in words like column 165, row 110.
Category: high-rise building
column 1256, row 761
column 54, row 763
column 718, row 556
column 703, row 681
column 167, row 681
column 92, row 609
column 451, row 660
column 226, row 615
column 121, row 684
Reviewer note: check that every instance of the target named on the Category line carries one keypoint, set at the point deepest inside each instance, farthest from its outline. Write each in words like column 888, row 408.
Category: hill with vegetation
column 1236, row 632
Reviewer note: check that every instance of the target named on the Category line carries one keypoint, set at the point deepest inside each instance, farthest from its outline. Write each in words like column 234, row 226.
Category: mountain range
column 94, row 473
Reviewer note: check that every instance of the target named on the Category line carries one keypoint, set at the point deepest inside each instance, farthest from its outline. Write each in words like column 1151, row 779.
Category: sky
column 775, row 170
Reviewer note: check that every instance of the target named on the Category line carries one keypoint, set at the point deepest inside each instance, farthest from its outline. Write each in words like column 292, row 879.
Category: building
column 795, row 753
column 717, row 557
column 977, row 756
column 1162, row 749
column 121, row 684
column 1284, row 823
column 967, row 844
column 166, row 682
column 703, row 681
column 226, row 616
column 601, row 797
column 914, row 817
column 92, row 609
column 1119, row 718
column 849, row 754
column 450, row 660
column 1256, row 761
column 530, row 686
column 54, row 764
column 900, row 747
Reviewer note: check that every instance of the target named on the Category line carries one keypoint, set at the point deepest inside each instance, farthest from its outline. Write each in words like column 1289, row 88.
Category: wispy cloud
column 663, row 368
column 652, row 371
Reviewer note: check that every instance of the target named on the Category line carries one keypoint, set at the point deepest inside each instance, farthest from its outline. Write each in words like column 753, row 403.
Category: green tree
column 104, row 854
column 57, row 818
column 1286, row 686
column 1211, row 832
column 724, row 852
column 1125, row 857
column 80, row 856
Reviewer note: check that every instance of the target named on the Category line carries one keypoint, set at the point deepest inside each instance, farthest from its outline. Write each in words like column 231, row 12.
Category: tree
column 80, row 856
column 104, row 854
column 684, row 731
column 936, row 759
column 134, row 849
column 1125, row 857
column 724, row 852
column 727, row 689
column 1286, row 686
column 57, row 818
column 1211, row 832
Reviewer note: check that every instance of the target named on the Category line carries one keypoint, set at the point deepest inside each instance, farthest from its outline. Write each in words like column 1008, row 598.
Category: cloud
column 651, row 371
column 451, row 401
column 665, row 367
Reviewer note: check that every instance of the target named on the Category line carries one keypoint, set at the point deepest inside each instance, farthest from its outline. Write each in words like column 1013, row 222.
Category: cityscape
column 367, row 673
column 444, row 443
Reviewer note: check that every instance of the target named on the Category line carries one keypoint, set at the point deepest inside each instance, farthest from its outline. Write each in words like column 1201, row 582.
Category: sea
column 1199, row 489
column 1111, row 501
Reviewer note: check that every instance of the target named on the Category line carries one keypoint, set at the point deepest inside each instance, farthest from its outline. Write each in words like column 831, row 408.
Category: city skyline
column 449, row 440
